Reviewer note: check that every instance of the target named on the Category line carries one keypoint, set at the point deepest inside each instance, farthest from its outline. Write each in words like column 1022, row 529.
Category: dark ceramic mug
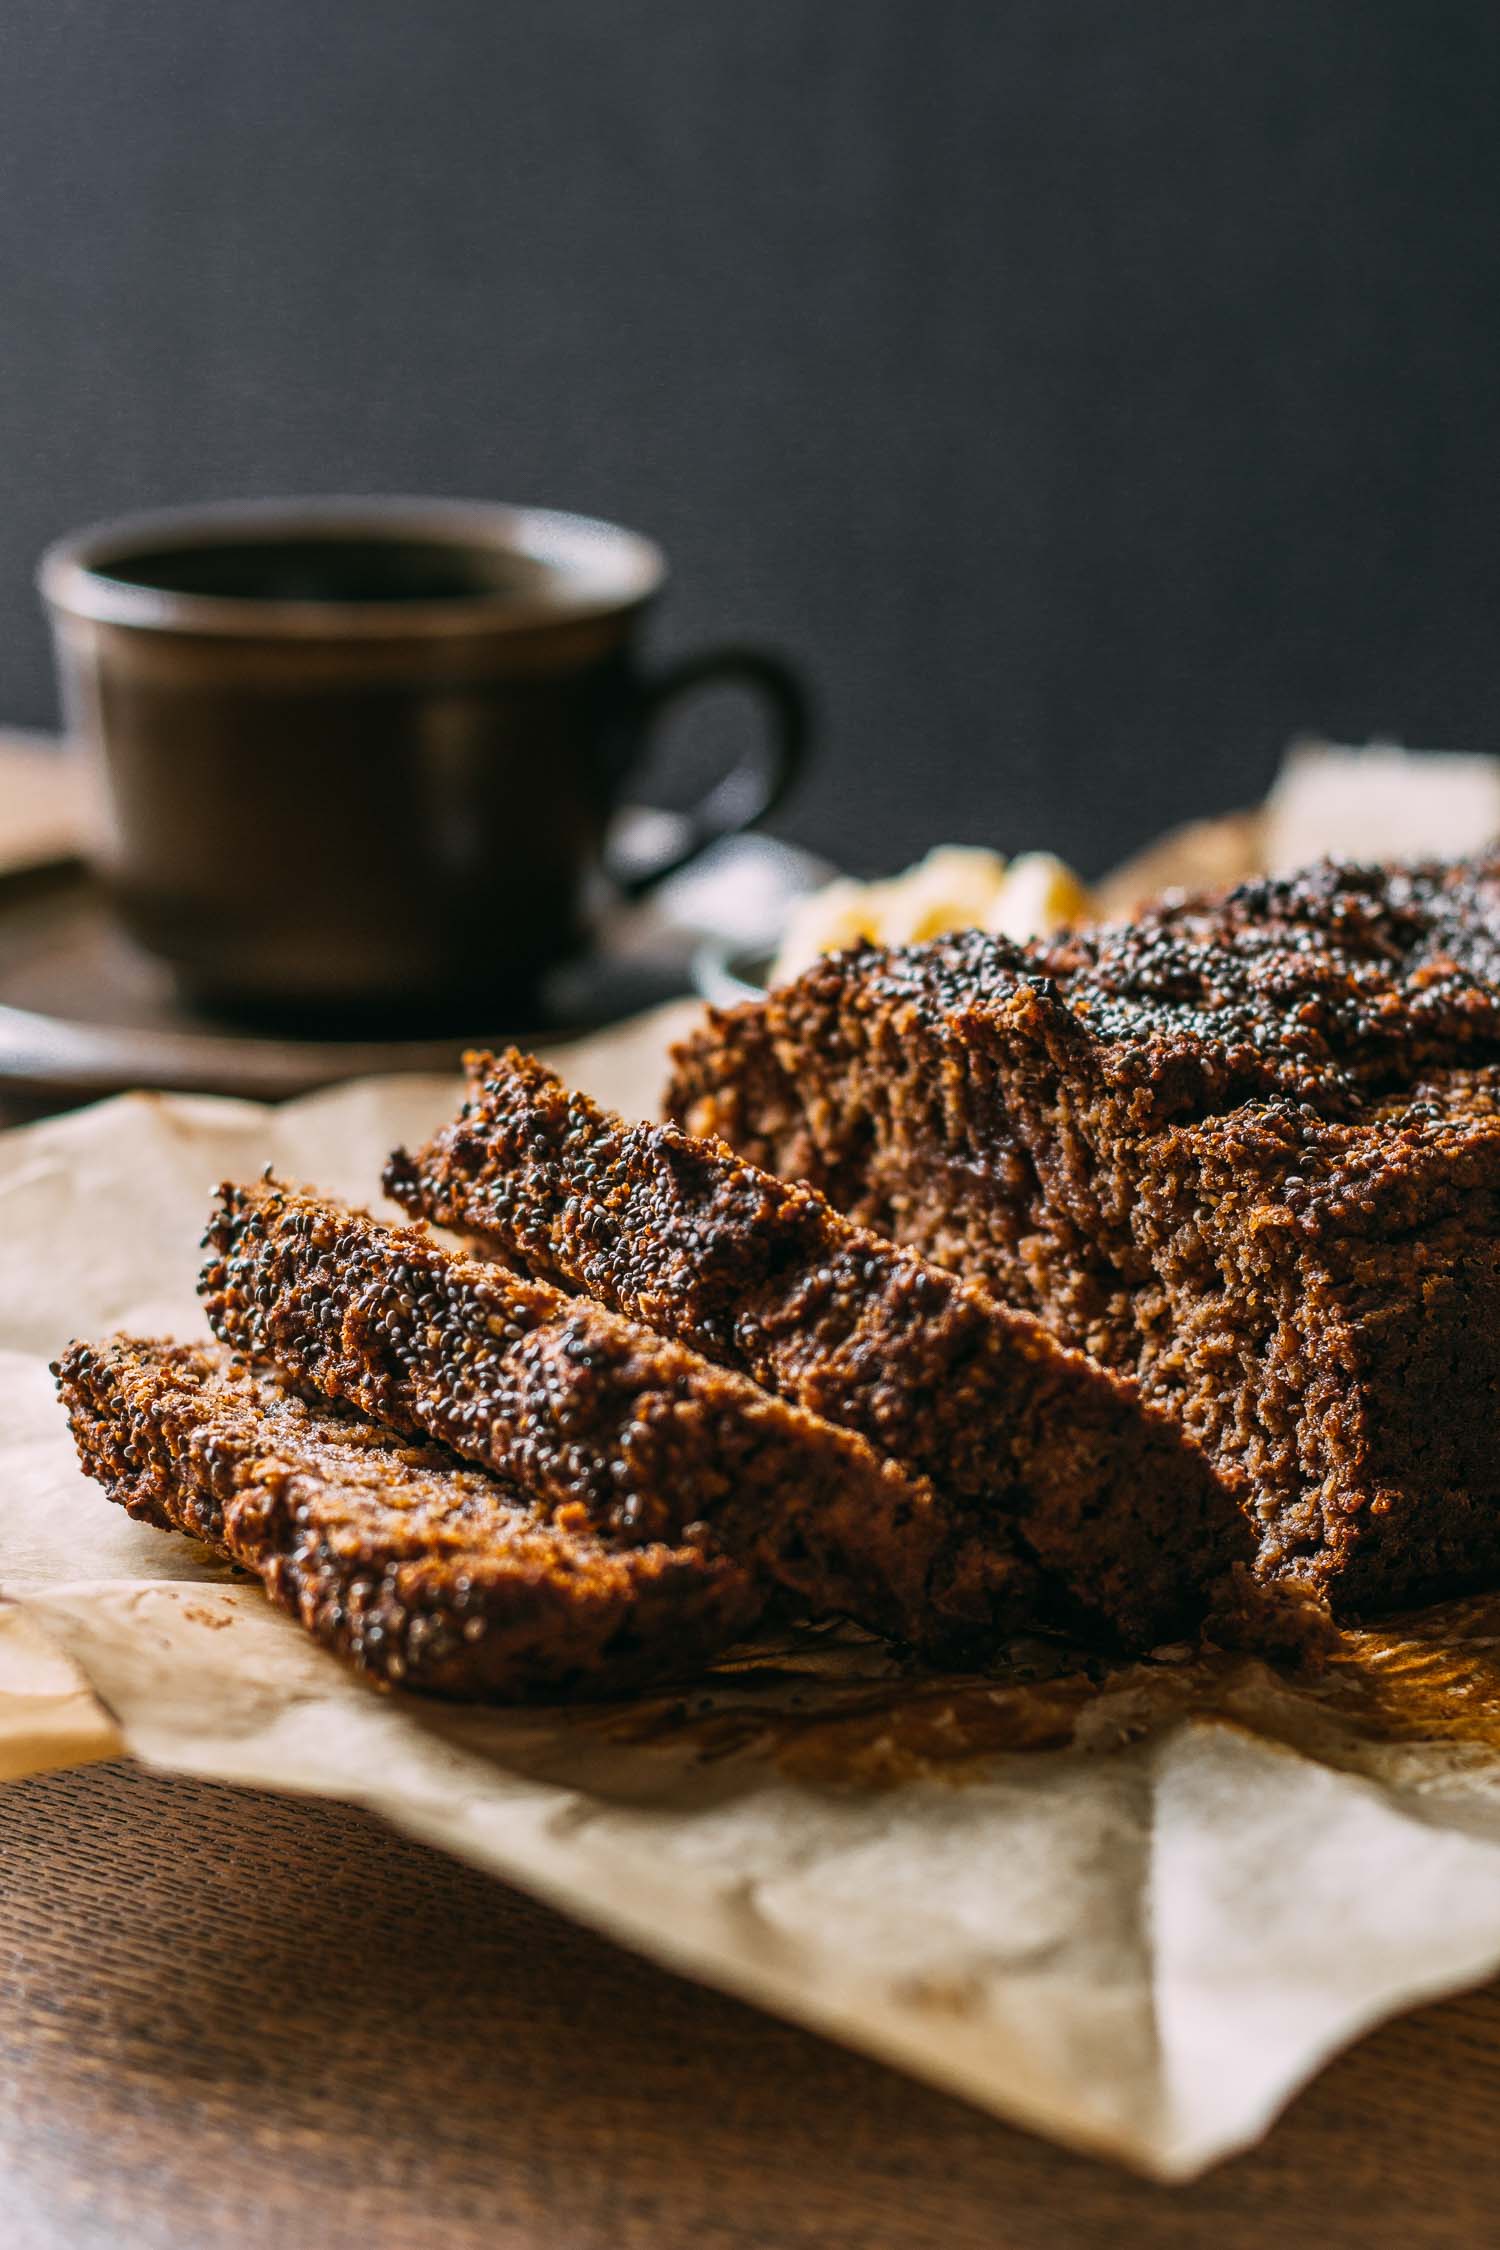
column 361, row 753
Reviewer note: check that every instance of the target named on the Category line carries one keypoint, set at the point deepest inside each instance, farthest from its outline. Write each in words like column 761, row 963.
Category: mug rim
column 603, row 568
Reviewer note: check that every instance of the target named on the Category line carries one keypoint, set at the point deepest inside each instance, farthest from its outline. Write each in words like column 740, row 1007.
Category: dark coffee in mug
column 355, row 568
column 362, row 755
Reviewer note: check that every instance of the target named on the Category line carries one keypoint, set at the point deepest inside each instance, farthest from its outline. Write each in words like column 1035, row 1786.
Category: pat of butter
column 956, row 887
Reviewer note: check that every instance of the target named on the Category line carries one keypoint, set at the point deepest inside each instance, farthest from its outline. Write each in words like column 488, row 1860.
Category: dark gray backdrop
column 1091, row 394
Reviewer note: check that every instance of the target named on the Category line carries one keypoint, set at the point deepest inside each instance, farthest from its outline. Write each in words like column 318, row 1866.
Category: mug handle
column 759, row 782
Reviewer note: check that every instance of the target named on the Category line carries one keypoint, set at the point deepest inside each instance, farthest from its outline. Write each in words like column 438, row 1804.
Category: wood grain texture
column 228, row 2018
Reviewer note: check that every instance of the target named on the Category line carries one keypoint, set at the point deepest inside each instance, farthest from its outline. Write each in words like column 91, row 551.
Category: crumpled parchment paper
column 1134, row 1909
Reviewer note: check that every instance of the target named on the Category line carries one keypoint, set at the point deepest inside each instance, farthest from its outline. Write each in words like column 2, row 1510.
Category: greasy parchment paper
column 1133, row 1910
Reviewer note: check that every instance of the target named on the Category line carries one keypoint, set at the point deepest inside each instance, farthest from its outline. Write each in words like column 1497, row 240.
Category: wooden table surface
column 232, row 2018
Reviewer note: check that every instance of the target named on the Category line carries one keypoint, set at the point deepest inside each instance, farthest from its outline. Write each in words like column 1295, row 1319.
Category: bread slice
column 593, row 1417
column 761, row 1275
column 421, row 1572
